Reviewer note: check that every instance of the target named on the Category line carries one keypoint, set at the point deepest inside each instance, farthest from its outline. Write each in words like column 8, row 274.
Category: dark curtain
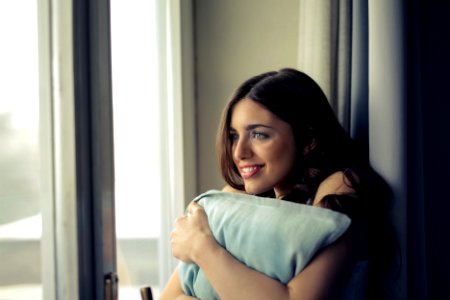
column 394, row 57
column 428, row 151
column 421, row 211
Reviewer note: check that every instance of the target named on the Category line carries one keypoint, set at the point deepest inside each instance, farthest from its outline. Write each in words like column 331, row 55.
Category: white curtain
column 177, row 165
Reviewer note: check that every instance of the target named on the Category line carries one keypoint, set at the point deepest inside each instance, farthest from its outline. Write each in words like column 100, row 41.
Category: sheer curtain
column 178, row 158
column 355, row 50
column 325, row 49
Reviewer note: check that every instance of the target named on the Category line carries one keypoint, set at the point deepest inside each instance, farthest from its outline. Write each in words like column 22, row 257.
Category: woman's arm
column 233, row 280
column 173, row 290
column 319, row 280
column 192, row 241
column 325, row 277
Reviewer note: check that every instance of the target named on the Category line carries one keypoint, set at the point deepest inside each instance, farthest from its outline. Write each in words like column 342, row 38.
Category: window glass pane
column 20, row 218
column 136, row 147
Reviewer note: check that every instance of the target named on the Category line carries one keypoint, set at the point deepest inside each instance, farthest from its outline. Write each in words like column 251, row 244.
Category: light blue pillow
column 277, row 238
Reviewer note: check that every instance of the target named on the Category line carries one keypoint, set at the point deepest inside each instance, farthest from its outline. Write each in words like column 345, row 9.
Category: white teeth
column 248, row 169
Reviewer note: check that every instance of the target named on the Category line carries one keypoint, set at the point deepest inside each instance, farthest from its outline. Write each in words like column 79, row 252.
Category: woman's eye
column 233, row 136
column 259, row 135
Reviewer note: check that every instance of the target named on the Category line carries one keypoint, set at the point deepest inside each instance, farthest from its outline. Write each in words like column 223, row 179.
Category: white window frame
column 78, row 237
column 78, row 242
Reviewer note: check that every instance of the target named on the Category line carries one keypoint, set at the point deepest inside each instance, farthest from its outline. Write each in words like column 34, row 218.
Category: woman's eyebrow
column 253, row 126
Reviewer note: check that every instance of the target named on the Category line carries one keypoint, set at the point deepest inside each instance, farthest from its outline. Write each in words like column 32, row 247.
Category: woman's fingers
column 193, row 207
column 191, row 232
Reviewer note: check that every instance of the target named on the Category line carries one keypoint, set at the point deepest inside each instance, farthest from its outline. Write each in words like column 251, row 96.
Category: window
column 20, row 209
column 152, row 156
column 137, row 144
column 56, row 197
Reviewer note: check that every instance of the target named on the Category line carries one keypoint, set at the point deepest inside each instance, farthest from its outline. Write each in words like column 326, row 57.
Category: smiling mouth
column 250, row 171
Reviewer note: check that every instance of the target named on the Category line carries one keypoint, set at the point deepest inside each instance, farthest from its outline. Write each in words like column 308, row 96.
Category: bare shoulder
column 337, row 183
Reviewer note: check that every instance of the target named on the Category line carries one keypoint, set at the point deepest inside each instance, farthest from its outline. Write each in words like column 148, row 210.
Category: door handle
column 111, row 286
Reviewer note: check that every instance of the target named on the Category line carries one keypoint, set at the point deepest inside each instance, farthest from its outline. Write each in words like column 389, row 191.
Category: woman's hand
column 192, row 235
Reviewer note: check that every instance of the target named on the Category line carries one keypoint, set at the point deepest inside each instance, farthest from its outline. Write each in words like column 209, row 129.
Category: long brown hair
column 298, row 100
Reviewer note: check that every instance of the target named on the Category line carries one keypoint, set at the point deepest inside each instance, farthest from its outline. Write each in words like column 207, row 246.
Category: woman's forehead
column 247, row 109
column 247, row 113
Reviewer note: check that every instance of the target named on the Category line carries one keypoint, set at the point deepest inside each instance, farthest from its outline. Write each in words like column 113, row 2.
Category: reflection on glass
column 20, row 219
column 136, row 149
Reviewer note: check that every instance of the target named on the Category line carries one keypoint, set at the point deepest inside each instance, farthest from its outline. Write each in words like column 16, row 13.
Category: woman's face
column 263, row 148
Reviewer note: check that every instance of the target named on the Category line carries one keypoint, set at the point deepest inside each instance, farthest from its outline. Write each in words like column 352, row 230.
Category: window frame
column 79, row 253
column 79, row 242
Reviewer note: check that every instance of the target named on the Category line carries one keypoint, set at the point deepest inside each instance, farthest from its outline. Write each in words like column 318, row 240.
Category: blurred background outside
column 136, row 134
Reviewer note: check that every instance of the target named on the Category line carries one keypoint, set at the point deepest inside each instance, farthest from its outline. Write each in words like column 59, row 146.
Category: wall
column 235, row 40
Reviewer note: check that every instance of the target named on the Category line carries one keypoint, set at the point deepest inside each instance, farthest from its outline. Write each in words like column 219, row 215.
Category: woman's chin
column 256, row 190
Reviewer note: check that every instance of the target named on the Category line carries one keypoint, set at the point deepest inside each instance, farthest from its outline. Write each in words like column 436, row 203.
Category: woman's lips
column 249, row 171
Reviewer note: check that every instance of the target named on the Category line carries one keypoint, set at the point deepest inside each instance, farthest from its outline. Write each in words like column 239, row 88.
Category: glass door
column 20, row 209
column 57, row 234
column 58, row 196
column 153, row 157
column 137, row 146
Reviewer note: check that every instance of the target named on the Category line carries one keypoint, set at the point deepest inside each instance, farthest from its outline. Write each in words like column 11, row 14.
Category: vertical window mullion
column 46, row 153
column 94, row 144
column 63, row 221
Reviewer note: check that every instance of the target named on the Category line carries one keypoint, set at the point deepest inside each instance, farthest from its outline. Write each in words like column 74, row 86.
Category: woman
column 279, row 138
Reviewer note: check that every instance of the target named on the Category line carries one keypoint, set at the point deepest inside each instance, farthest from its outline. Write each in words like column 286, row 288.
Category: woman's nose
column 242, row 150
